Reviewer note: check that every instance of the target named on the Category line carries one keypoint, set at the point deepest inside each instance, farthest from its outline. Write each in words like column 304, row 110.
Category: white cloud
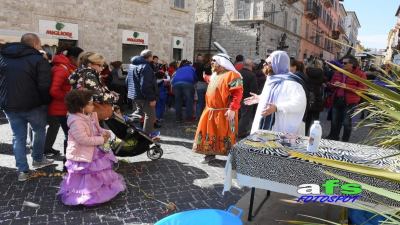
column 378, row 41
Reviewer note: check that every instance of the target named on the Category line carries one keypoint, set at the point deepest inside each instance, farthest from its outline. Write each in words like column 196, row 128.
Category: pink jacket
column 84, row 135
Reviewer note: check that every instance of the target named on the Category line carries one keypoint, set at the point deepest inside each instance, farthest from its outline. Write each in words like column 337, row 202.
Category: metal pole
column 211, row 27
column 250, row 216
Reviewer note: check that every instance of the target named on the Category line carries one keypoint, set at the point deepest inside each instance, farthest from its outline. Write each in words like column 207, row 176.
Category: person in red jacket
column 64, row 63
column 344, row 99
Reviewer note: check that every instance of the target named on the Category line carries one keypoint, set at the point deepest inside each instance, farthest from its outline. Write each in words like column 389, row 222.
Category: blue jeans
column 341, row 116
column 160, row 106
column 201, row 95
column 37, row 118
column 183, row 92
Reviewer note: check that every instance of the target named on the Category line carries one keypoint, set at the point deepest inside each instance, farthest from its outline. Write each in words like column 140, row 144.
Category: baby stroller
column 131, row 141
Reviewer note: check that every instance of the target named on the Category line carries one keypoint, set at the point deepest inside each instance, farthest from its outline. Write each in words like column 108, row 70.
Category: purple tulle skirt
column 91, row 183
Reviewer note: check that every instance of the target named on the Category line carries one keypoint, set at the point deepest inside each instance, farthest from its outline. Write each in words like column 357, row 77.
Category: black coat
column 28, row 77
column 315, row 79
column 141, row 80
column 249, row 82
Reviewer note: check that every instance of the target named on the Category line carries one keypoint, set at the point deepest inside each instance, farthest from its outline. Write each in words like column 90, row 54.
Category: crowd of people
column 229, row 100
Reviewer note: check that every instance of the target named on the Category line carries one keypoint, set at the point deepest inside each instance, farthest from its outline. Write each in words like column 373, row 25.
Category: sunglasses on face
column 97, row 64
column 345, row 63
column 267, row 63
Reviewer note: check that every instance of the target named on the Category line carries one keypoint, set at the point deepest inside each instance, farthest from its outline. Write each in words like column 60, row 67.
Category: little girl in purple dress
column 90, row 179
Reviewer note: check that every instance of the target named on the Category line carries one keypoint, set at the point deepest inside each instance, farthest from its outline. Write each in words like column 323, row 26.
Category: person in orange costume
column 218, row 125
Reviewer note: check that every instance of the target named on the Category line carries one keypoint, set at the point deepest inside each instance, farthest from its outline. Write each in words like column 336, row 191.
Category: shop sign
column 135, row 37
column 60, row 30
column 178, row 42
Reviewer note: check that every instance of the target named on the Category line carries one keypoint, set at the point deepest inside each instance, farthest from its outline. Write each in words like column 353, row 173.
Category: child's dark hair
column 160, row 74
column 116, row 108
column 299, row 65
column 76, row 100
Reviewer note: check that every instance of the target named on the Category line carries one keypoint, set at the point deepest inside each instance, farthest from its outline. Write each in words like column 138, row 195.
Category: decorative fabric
column 91, row 183
column 268, row 154
column 215, row 135
column 88, row 78
column 224, row 61
column 272, row 90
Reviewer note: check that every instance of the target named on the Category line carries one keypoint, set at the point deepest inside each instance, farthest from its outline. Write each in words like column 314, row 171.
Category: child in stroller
column 131, row 141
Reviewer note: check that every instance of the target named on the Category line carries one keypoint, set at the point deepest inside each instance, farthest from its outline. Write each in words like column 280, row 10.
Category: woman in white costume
column 282, row 103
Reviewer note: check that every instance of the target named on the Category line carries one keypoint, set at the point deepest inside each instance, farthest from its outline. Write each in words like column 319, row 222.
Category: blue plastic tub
column 204, row 217
column 357, row 216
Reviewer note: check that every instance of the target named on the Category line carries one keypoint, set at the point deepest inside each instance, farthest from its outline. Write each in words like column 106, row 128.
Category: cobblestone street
column 178, row 177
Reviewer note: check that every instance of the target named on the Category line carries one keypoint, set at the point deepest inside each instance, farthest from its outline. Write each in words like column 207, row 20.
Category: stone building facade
column 352, row 25
column 342, row 28
column 253, row 28
column 116, row 28
column 320, row 29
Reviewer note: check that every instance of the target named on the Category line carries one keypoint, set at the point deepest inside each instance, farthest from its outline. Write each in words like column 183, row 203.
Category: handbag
column 103, row 110
column 340, row 101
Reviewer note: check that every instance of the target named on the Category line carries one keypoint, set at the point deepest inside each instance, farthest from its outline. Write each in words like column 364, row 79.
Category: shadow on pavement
column 165, row 180
column 217, row 163
column 6, row 149
column 181, row 143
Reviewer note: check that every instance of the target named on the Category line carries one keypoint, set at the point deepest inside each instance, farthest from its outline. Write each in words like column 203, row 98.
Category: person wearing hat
column 218, row 125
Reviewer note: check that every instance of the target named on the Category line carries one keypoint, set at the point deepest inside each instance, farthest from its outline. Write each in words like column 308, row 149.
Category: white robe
column 291, row 105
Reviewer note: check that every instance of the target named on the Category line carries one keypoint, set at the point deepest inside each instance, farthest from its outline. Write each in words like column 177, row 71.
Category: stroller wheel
column 155, row 152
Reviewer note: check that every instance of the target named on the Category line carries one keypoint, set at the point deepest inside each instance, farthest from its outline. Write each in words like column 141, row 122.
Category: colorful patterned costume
column 215, row 134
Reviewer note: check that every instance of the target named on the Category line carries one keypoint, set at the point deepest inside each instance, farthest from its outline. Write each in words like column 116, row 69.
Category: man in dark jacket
column 27, row 82
column 315, row 103
column 142, row 88
column 247, row 112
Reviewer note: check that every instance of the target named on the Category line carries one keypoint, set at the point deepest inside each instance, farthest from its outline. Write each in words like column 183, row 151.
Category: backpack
column 3, row 84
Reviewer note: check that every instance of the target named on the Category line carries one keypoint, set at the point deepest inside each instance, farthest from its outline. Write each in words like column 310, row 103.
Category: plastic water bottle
column 315, row 137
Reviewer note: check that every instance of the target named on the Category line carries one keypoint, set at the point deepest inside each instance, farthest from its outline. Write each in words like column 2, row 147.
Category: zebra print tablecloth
column 261, row 155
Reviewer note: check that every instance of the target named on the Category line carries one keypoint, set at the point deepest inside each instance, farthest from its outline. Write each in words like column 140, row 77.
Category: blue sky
column 376, row 17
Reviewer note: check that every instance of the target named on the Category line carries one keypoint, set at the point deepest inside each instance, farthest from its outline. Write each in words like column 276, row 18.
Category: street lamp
column 211, row 26
column 258, row 36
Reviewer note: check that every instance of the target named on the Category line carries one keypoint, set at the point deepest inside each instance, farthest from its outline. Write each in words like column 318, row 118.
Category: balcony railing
column 335, row 34
column 291, row 1
column 328, row 3
column 312, row 10
column 341, row 28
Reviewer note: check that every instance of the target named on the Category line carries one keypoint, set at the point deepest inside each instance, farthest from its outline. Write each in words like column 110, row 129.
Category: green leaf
column 380, row 191
column 392, row 113
column 327, row 221
column 299, row 222
column 59, row 26
column 377, row 88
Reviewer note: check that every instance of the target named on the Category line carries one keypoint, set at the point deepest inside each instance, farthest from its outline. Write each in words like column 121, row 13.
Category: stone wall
column 239, row 36
column 101, row 22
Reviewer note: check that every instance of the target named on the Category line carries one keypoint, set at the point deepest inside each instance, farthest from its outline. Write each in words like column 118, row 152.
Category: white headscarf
column 223, row 60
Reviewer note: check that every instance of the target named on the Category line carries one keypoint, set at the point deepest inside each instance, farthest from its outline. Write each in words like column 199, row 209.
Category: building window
column 295, row 25
column 285, row 20
column 179, row 4
column 307, row 31
column 177, row 54
column 272, row 20
column 243, row 9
